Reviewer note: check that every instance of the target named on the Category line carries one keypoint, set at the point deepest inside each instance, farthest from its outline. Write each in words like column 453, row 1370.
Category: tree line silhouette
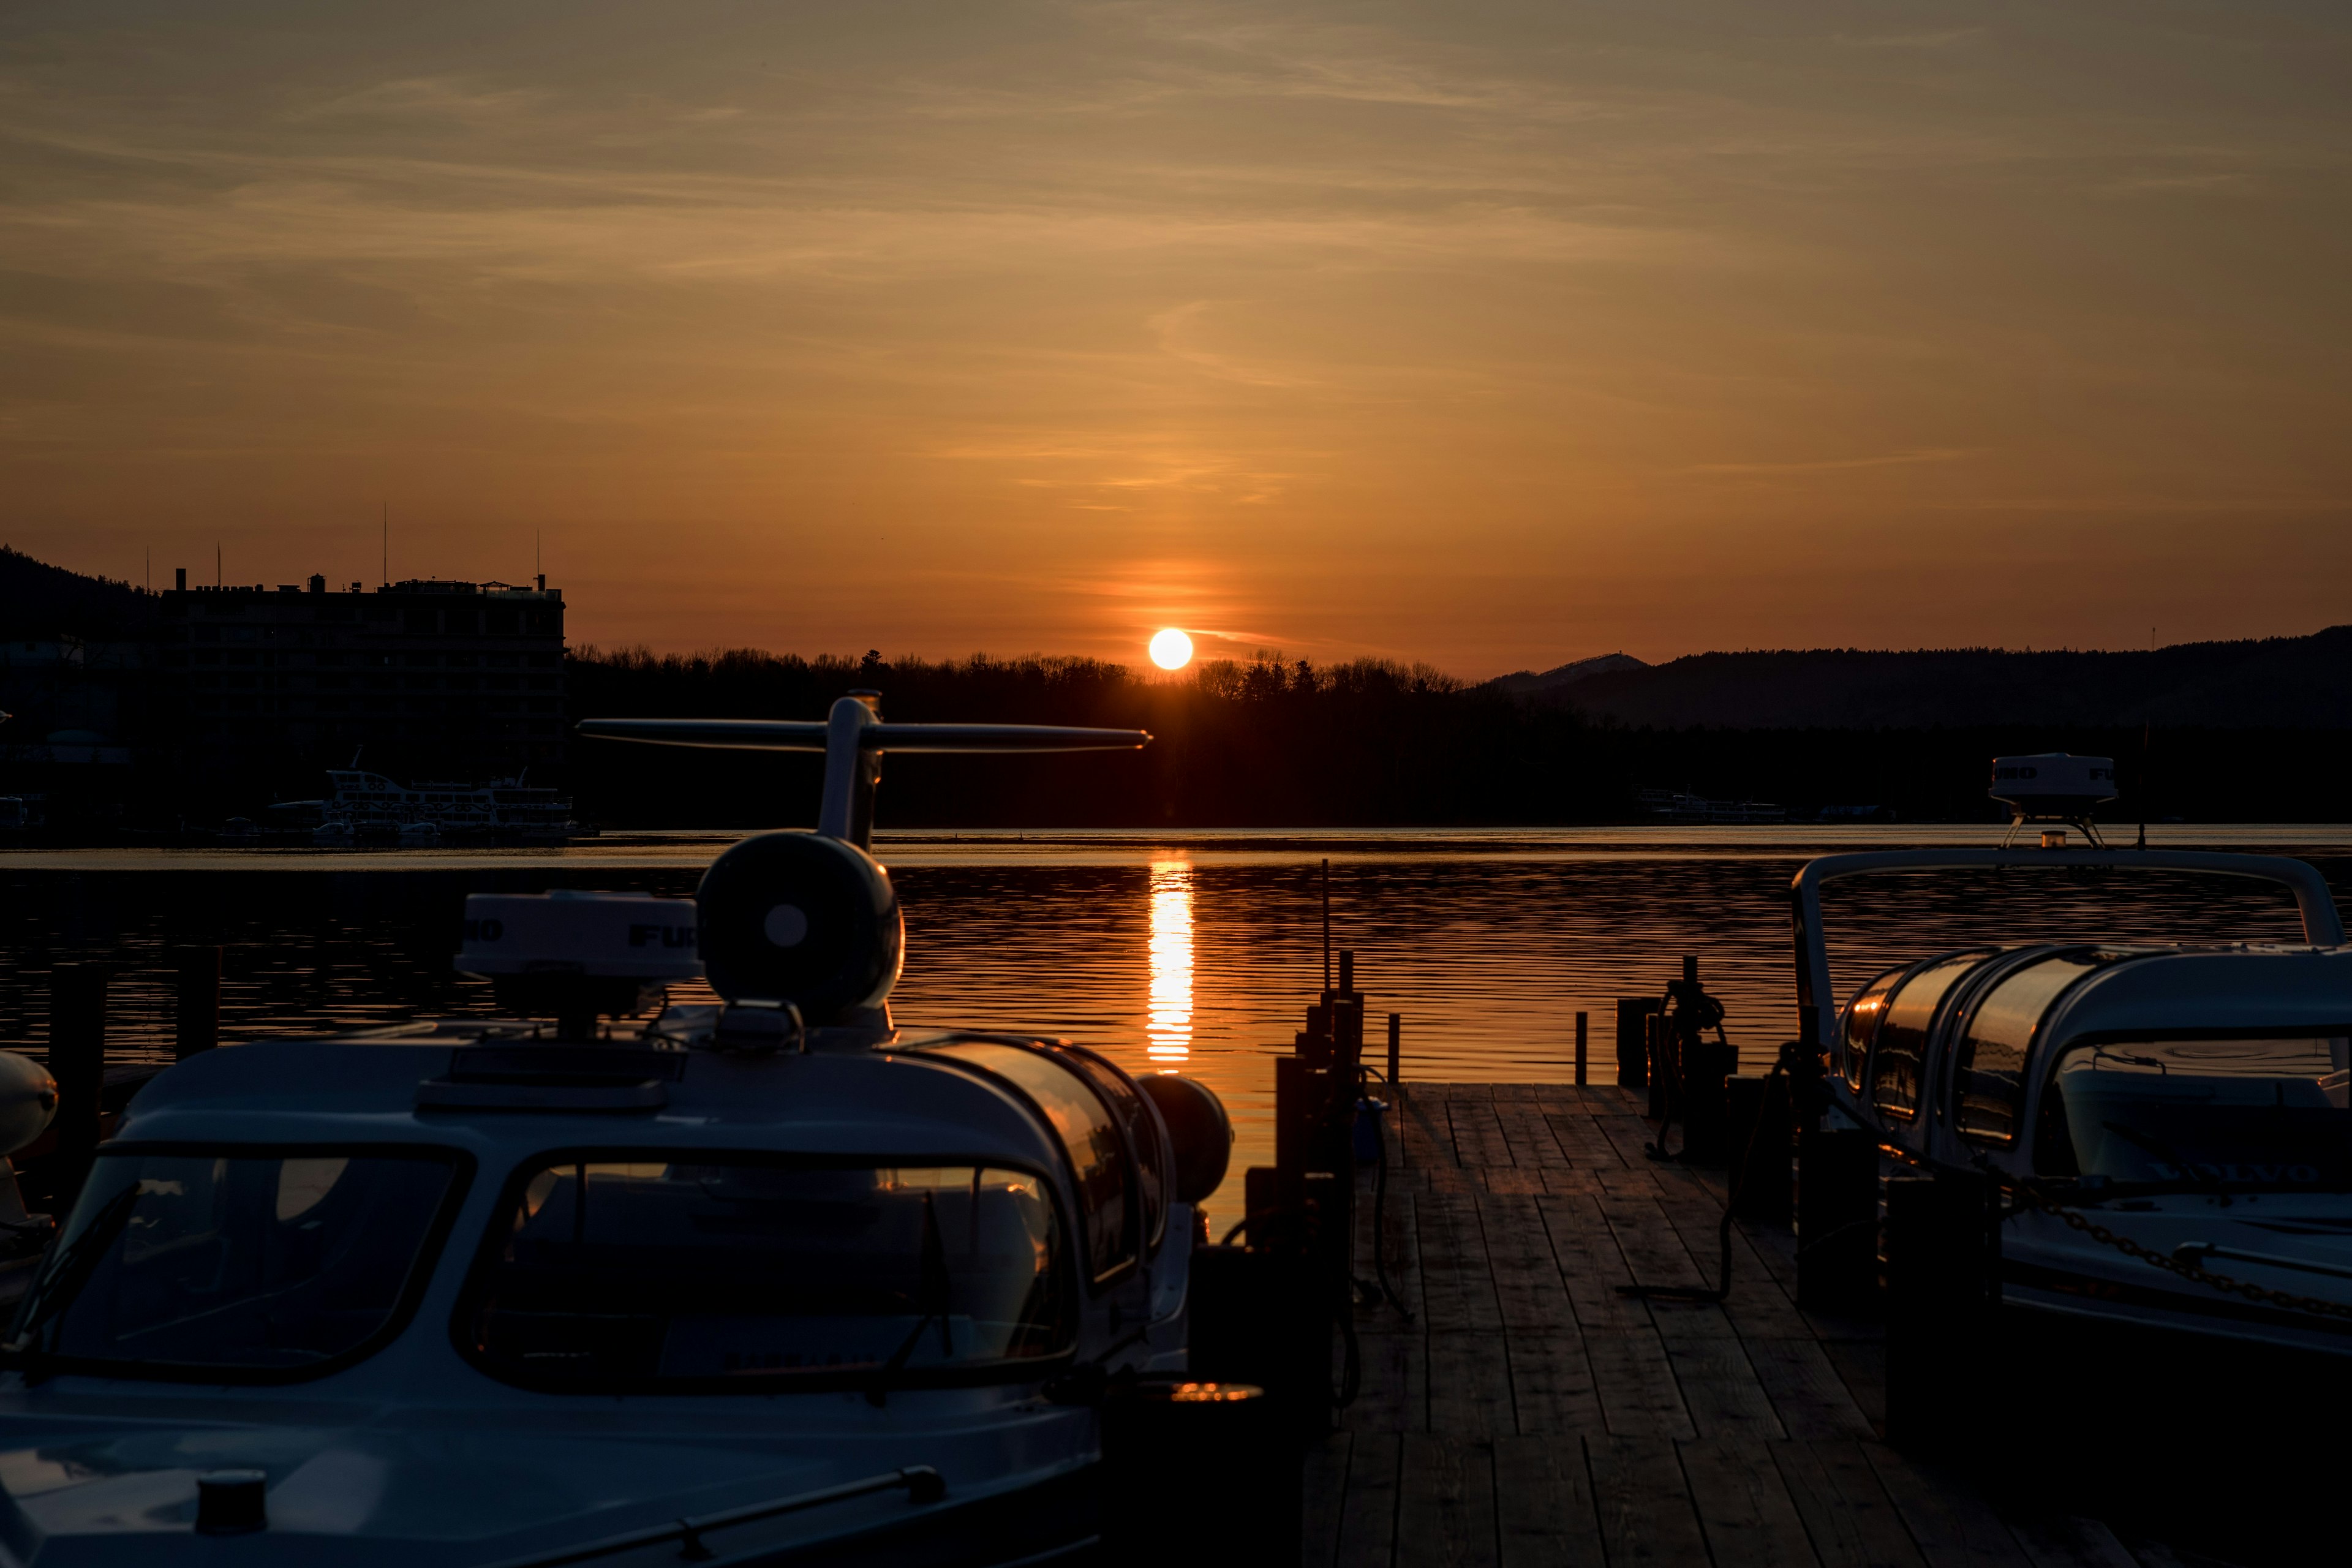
column 1275, row 742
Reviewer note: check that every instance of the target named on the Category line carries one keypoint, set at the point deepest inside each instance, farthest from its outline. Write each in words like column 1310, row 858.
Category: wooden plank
column 1720, row 1389
column 1744, row 1507
column 1654, row 1254
column 1810, row 1399
column 1445, row 1504
column 1368, row 1520
column 1322, row 1501
column 1953, row 1527
column 1425, row 1135
column 1862, row 1367
column 1456, row 1286
column 1581, row 1141
column 1530, row 1134
column 1636, row 1385
column 1759, row 1303
column 1399, row 1219
column 1517, row 1181
column 1394, row 1394
column 1631, row 1136
column 1553, row 1388
column 2064, row 1543
column 1478, row 1138
column 1643, row 1505
column 1529, row 1291
column 1850, row 1520
column 1469, row 1386
column 1590, row 1266
column 1544, row 1515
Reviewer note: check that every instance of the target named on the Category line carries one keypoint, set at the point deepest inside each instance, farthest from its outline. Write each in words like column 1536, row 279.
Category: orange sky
column 1493, row 336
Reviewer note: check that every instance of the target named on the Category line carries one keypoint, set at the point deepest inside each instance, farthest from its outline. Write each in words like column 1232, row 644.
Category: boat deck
column 1530, row 1415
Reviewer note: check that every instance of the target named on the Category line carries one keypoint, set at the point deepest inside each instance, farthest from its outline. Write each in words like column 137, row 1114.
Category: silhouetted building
column 459, row 680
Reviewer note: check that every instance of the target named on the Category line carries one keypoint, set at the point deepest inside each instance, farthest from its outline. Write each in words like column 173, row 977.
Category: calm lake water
column 1193, row 953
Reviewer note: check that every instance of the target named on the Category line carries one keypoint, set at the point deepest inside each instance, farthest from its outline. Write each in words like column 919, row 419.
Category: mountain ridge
column 2299, row 682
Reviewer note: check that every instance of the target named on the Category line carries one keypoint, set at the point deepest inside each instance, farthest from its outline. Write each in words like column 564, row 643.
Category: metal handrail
column 1817, row 1005
column 923, row 1485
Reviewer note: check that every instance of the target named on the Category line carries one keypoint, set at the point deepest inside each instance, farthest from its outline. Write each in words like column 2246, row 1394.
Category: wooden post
column 196, row 1026
column 77, row 1061
column 1581, row 1039
column 1837, row 1217
column 1758, row 1150
column 1633, row 1044
column 1396, row 1039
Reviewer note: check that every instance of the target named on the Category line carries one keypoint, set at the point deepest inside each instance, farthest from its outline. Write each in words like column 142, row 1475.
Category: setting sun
column 1172, row 650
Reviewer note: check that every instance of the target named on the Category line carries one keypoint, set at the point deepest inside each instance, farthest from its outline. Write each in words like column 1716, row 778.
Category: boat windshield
column 2245, row 1113
column 729, row 1272
column 239, row 1264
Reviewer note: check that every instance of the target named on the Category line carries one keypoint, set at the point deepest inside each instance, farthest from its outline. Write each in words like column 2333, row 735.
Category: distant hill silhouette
column 2276, row 683
column 1525, row 683
column 38, row 601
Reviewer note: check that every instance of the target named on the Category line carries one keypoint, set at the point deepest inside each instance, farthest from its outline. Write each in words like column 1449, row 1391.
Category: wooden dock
column 1529, row 1415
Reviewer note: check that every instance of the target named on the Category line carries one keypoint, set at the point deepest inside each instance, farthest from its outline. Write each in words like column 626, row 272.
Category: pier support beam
column 77, row 1061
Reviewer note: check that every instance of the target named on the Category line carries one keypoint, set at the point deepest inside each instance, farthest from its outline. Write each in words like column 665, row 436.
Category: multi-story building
column 427, row 678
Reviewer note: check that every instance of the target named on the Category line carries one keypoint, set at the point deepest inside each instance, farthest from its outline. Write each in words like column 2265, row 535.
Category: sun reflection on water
column 1167, row 1028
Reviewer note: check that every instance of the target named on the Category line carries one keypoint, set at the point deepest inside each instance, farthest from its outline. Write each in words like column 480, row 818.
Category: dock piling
column 1633, row 1040
column 1396, row 1042
column 197, row 1021
column 78, row 1062
column 1581, row 1041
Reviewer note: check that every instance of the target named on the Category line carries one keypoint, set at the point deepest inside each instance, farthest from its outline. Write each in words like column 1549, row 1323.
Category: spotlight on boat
column 803, row 920
column 1200, row 1133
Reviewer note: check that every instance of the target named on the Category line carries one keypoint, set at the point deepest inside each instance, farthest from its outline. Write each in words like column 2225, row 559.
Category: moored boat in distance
column 362, row 807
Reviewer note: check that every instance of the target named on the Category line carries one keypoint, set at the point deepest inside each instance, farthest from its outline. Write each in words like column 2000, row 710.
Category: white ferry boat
column 362, row 806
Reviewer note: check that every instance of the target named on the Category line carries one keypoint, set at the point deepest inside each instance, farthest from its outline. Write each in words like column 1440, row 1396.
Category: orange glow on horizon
column 1422, row 333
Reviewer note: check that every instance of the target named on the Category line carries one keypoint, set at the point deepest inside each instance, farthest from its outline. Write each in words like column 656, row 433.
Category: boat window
column 227, row 1264
column 2244, row 1113
column 1900, row 1049
column 1142, row 1131
column 731, row 1272
column 1862, row 1022
column 1083, row 1122
column 1989, row 1068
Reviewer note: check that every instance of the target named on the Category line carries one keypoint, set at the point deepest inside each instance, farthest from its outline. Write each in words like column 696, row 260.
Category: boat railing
column 923, row 1485
column 1817, row 1005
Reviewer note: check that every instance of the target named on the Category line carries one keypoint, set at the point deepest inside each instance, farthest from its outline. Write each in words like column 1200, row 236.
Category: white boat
column 763, row 1282
column 2187, row 1101
column 360, row 805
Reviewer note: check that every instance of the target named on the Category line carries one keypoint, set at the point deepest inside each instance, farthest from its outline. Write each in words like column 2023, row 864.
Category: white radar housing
column 620, row 936
column 2052, row 783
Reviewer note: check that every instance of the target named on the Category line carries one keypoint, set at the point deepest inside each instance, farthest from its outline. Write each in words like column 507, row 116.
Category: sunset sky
column 1488, row 335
